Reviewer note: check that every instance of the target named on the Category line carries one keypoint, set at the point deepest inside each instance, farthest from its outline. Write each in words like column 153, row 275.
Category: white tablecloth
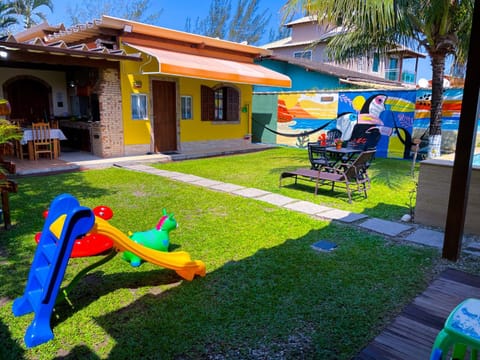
column 54, row 134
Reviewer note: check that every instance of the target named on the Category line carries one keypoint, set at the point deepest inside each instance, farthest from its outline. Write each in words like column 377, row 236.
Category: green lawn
column 266, row 292
column 389, row 198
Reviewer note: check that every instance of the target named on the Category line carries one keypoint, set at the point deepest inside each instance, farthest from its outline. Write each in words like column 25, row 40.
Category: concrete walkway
column 400, row 231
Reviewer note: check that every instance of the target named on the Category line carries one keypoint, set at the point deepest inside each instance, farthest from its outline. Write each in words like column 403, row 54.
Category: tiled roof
column 343, row 74
column 123, row 27
column 60, row 47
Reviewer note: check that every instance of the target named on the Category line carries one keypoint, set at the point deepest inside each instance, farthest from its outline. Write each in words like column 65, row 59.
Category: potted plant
column 338, row 143
column 8, row 132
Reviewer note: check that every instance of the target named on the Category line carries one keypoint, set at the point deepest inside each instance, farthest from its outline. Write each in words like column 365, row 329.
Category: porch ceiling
column 202, row 67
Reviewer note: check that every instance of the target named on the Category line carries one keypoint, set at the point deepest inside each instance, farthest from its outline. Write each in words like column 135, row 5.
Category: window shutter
column 233, row 104
column 208, row 103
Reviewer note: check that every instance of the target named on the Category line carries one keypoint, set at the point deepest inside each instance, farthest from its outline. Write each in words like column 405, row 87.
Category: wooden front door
column 164, row 116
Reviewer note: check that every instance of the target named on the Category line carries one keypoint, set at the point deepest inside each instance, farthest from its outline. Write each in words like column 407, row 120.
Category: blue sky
column 175, row 13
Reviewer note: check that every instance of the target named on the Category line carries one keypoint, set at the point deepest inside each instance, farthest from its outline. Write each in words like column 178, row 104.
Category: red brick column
column 107, row 135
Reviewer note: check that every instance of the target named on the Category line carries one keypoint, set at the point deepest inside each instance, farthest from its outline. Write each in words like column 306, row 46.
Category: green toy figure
column 156, row 238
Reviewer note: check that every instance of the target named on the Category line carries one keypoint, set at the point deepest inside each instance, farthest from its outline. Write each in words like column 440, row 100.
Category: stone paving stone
column 207, row 182
column 226, row 187
column 159, row 172
column 306, row 207
column 170, row 174
column 145, row 169
column 427, row 237
column 385, row 227
column 276, row 199
column 472, row 248
column 133, row 166
column 341, row 215
column 189, row 178
column 250, row 192
column 136, row 167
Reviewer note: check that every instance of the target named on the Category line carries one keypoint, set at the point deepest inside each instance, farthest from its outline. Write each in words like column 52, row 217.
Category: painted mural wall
column 451, row 107
column 385, row 119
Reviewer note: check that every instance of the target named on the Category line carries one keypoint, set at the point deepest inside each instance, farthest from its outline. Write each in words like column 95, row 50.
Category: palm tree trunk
column 435, row 133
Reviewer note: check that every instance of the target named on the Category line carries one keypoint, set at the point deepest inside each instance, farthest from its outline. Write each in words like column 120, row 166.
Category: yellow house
column 140, row 88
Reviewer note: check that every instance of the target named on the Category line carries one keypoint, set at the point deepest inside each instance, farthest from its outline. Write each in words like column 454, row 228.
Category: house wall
column 434, row 182
column 301, row 78
column 56, row 79
column 319, row 55
column 197, row 130
column 312, row 31
column 309, row 31
column 263, row 117
column 138, row 134
column 318, row 52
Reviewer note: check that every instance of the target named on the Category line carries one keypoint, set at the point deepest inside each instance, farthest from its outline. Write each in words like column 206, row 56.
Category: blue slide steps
column 66, row 221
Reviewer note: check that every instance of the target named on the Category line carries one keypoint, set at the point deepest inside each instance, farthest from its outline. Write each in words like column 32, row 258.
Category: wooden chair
column 317, row 156
column 54, row 124
column 20, row 150
column 333, row 135
column 20, row 122
column 42, row 142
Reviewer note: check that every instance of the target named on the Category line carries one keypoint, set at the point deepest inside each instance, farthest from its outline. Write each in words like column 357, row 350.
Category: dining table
column 55, row 134
column 343, row 154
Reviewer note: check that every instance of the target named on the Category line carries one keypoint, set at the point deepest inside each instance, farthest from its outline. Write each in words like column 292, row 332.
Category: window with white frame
column 307, row 55
column 139, row 107
column 186, row 107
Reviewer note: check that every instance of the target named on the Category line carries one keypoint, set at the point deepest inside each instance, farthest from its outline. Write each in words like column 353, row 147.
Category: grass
column 266, row 294
column 388, row 199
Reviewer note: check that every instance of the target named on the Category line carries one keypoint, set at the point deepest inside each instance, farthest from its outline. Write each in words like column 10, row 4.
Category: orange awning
column 202, row 67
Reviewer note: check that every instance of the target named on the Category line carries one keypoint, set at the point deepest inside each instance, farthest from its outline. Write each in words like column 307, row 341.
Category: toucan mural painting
column 386, row 119
column 379, row 119
column 383, row 120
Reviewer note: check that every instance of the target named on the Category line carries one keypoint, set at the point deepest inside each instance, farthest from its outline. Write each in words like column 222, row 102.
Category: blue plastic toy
column 66, row 221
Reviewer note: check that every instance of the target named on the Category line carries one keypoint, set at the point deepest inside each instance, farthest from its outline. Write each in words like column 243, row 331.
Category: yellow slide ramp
column 179, row 261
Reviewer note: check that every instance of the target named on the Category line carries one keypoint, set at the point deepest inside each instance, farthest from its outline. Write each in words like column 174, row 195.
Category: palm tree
column 136, row 10
column 440, row 27
column 7, row 16
column 28, row 9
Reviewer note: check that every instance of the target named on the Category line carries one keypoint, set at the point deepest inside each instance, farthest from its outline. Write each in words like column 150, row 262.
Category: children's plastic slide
column 67, row 221
column 179, row 261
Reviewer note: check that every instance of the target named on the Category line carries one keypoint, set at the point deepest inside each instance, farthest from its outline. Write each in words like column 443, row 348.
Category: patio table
column 55, row 134
column 344, row 154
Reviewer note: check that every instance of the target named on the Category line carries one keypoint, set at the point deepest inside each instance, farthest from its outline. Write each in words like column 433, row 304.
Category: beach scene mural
column 303, row 117
column 451, row 107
